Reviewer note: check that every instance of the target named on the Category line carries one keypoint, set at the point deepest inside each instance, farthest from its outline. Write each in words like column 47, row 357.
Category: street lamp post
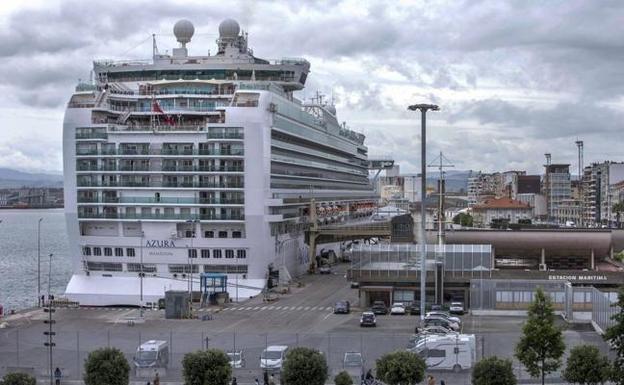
column 193, row 223
column 141, row 273
column 423, row 185
column 39, row 262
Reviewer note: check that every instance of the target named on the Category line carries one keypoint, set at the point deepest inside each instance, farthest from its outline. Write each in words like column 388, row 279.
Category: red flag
column 156, row 108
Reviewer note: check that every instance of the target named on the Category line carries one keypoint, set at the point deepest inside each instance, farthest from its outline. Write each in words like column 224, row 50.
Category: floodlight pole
column 423, row 186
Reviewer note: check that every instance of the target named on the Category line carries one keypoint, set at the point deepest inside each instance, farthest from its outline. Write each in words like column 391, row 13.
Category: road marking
column 278, row 308
column 307, row 308
column 327, row 316
column 328, row 308
column 271, row 307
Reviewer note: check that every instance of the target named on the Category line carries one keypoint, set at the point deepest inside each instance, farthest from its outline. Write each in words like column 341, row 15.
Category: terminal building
column 391, row 271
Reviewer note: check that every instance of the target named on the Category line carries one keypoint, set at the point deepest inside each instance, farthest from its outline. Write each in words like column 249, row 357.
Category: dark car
column 436, row 306
column 368, row 319
column 342, row 307
column 379, row 307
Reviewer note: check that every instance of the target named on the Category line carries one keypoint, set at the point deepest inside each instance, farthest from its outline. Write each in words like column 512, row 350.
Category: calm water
column 18, row 255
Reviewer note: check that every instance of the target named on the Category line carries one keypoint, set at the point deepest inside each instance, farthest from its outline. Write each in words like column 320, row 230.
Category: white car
column 236, row 359
column 456, row 308
column 397, row 309
column 443, row 314
column 273, row 357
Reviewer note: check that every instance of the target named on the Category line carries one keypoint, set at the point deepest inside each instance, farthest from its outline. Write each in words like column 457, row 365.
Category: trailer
column 447, row 352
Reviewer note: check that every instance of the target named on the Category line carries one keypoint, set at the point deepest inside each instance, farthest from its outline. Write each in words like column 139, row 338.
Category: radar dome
column 183, row 31
column 229, row 28
column 332, row 109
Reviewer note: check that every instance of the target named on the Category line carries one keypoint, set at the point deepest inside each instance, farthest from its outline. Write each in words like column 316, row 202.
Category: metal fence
column 602, row 310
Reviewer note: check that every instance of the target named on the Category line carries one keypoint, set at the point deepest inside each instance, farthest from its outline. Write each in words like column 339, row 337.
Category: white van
column 272, row 357
column 152, row 354
column 447, row 352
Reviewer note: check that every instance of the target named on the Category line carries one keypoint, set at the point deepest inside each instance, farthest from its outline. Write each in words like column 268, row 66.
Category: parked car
column 342, row 307
column 397, row 309
column 433, row 330
column 379, row 307
column 414, row 308
column 272, row 357
column 457, row 308
column 353, row 364
column 444, row 314
column 355, row 285
column 237, row 359
column 441, row 321
column 368, row 319
column 325, row 269
column 436, row 306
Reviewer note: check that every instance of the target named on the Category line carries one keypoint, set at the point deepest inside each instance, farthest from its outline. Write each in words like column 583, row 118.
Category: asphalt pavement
column 304, row 317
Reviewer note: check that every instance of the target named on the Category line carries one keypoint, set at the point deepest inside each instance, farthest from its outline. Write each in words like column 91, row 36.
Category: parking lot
column 302, row 318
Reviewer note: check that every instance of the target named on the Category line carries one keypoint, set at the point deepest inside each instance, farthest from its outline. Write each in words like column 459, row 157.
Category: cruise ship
column 183, row 164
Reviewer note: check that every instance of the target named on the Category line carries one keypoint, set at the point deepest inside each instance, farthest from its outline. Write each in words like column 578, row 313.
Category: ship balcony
column 158, row 183
column 118, row 128
column 91, row 135
column 185, row 168
column 237, row 152
column 162, row 200
column 162, row 217
column 225, row 135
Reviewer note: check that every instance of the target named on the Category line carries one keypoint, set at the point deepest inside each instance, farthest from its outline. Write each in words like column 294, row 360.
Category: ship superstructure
column 188, row 164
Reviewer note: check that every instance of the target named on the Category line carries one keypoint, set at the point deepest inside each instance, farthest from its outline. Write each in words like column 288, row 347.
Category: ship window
column 236, row 234
column 241, row 254
column 97, row 251
column 192, row 253
column 229, row 253
column 108, row 252
column 208, row 234
column 216, row 253
column 222, row 234
column 147, row 268
column 86, row 251
column 118, row 252
column 130, row 251
column 205, row 253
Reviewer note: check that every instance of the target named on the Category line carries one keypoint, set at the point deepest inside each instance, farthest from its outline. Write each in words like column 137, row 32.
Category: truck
column 152, row 354
column 455, row 352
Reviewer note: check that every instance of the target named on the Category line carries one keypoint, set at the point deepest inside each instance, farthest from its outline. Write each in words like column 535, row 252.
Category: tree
column 586, row 365
column 401, row 368
column 206, row 367
column 493, row 371
column 343, row 378
column 463, row 219
column 304, row 366
column 541, row 347
column 106, row 366
column 614, row 335
column 18, row 379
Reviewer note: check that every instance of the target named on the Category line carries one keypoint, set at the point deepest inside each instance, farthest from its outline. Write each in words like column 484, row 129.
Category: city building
column 600, row 192
column 556, row 187
column 500, row 209
column 412, row 189
column 186, row 164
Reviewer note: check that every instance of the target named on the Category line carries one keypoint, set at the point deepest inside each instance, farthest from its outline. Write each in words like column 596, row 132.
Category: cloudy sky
column 514, row 79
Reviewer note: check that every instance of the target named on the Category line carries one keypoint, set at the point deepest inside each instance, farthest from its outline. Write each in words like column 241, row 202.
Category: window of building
column 208, row 234
column 186, row 268
column 147, row 268
column 130, row 252
column 192, row 253
column 108, row 252
column 205, row 253
column 118, row 252
column 222, row 234
column 216, row 253
column 97, row 251
column 229, row 253
column 237, row 234
column 241, row 253
column 86, row 251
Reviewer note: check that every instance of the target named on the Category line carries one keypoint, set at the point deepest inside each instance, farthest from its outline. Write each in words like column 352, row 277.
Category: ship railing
column 201, row 217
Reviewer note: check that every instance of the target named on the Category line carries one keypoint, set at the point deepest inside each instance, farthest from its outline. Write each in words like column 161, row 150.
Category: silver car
column 353, row 364
column 237, row 360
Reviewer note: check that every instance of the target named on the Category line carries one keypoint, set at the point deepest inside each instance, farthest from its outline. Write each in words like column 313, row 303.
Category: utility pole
column 50, row 333
column 39, row 262
column 579, row 145
column 547, row 186
column 423, row 216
